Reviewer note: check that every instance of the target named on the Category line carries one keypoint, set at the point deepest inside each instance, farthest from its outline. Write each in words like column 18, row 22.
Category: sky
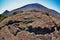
column 13, row 4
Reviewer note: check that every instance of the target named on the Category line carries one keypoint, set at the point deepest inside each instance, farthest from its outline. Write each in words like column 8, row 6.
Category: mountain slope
column 39, row 7
column 30, row 26
column 30, row 22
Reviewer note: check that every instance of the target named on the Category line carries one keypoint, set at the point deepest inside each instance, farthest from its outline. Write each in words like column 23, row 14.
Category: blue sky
column 13, row 4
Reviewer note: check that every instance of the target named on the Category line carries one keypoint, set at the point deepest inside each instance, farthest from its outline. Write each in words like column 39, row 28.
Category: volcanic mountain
column 38, row 7
column 30, row 22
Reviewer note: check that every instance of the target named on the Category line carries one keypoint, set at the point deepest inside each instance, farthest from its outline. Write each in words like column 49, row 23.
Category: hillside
column 31, row 24
column 38, row 7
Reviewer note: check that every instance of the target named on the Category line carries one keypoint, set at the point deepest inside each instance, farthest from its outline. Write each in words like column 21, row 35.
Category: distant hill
column 4, row 15
column 5, row 12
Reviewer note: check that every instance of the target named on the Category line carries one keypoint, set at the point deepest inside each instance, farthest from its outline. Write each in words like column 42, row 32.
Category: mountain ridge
column 38, row 7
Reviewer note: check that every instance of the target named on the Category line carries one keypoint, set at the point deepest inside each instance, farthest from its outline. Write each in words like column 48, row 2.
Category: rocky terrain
column 30, row 25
